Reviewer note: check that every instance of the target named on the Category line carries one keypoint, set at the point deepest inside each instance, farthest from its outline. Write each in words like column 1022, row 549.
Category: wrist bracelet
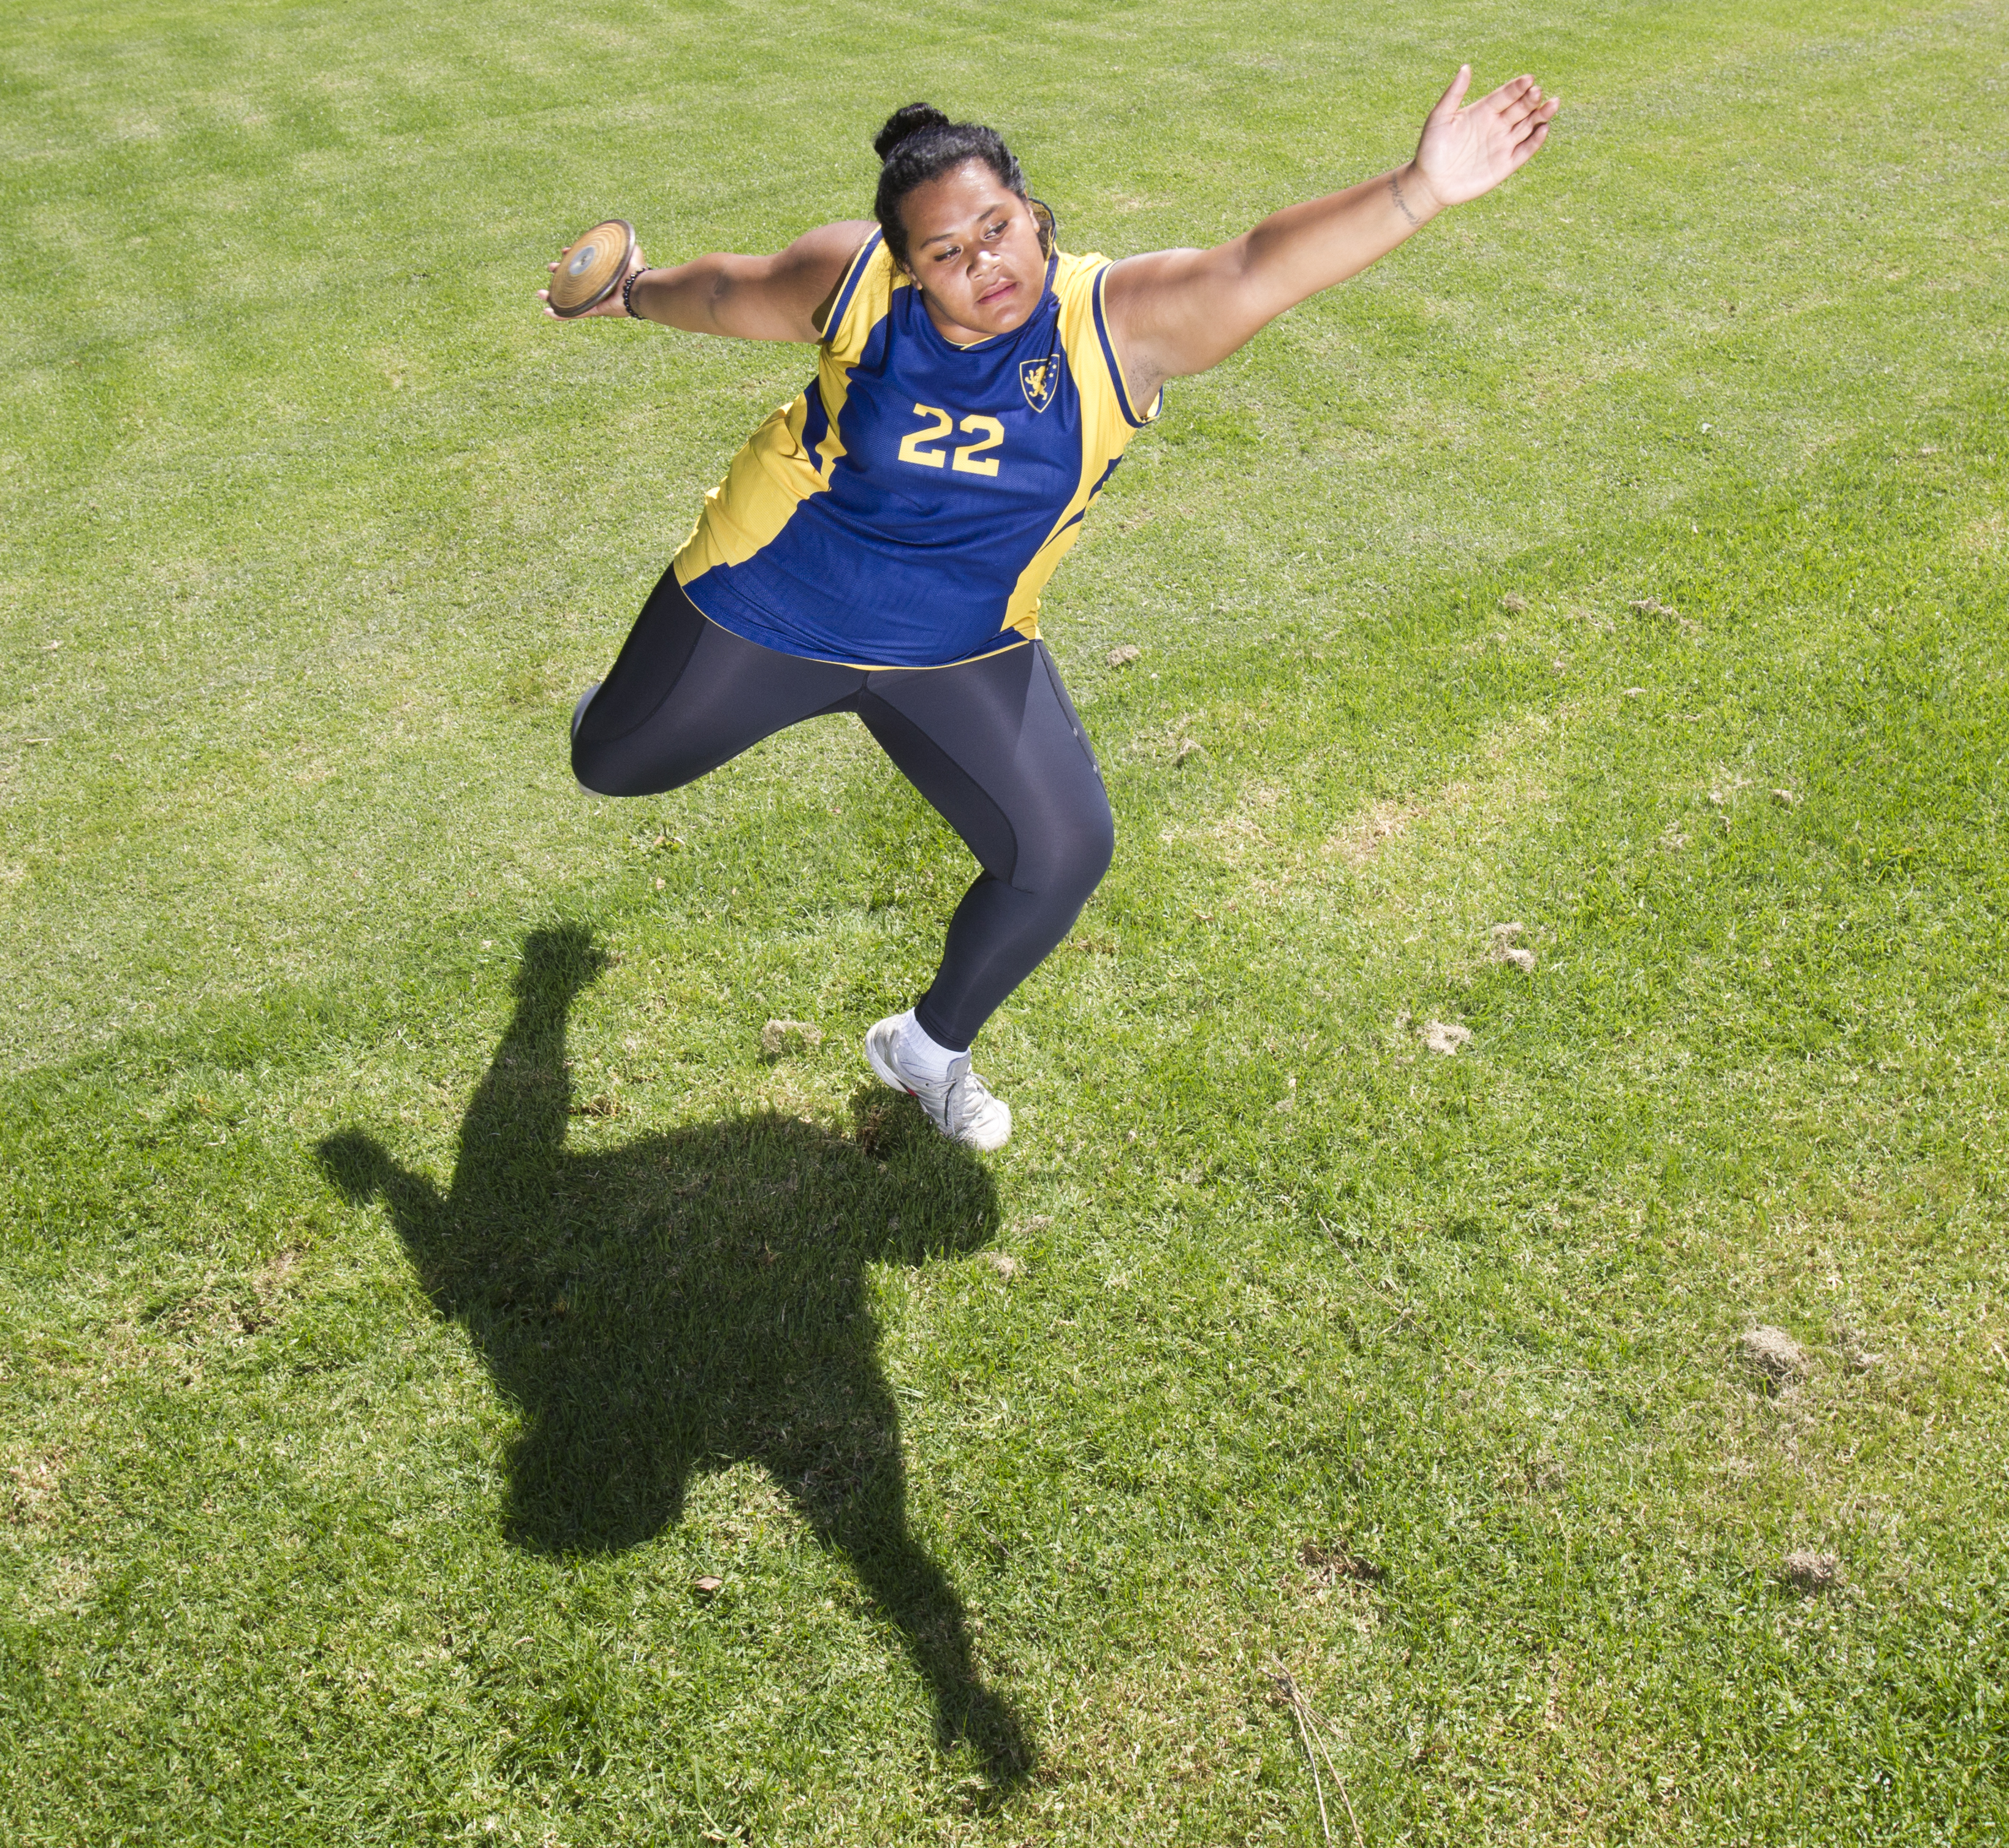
column 627, row 292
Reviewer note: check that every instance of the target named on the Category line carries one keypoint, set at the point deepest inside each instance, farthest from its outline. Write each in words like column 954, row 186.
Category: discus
column 592, row 268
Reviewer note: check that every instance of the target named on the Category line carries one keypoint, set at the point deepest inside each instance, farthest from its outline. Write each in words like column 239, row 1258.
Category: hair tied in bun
column 919, row 144
column 903, row 123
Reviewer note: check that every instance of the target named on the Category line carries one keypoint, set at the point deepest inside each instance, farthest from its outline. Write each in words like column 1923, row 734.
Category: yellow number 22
column 910, row 444
column 988, row 429
column 993, row 433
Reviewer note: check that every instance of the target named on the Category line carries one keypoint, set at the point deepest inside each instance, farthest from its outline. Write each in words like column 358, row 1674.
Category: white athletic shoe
column 960, row 1105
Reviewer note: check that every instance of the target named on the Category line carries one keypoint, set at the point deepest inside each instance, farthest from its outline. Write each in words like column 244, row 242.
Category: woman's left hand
column 1465, row 152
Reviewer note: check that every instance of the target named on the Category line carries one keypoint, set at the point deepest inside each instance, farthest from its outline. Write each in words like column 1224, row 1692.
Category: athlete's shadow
column 687, row 1301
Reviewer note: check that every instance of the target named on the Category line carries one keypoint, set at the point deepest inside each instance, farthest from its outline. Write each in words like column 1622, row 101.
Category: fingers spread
column 1524, row 150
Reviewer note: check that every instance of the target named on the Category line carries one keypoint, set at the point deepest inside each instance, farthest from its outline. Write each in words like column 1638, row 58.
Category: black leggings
column 993, row 744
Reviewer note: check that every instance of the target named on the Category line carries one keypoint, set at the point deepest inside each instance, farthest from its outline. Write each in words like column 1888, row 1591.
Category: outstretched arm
column 749, row 298
column 1177, row 312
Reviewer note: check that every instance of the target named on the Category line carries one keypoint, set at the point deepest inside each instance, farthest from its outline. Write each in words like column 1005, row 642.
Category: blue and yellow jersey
column 908, row 508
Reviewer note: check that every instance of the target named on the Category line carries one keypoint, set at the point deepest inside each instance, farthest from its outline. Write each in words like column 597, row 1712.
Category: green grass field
column 415, row 1275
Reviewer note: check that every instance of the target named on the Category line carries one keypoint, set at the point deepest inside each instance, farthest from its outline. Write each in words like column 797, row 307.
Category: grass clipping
column 1311, row 1726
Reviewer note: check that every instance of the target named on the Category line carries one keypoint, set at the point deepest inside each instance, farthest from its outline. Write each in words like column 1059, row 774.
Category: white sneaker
column 960, row 1105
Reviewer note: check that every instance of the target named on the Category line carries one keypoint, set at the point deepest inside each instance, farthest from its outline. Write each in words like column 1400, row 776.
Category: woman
column 879, row 546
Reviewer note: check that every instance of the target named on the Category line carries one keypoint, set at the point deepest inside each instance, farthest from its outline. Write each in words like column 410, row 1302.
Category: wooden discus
column 592, row 268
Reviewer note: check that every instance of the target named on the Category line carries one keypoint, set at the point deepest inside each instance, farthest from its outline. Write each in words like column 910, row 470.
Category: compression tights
column 994, row 744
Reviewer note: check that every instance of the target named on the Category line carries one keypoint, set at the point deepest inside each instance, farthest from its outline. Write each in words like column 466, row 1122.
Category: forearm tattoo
column 1402, row 204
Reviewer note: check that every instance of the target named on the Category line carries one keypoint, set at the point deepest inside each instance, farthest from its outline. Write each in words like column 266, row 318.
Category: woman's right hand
column 613, row 304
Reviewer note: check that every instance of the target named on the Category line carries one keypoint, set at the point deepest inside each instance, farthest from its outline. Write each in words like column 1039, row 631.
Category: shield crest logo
column 1037, row 379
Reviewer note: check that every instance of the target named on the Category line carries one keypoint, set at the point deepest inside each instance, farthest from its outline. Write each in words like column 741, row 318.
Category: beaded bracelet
column 627, row 292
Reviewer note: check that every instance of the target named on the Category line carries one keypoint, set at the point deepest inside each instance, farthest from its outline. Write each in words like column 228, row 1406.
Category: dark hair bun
column 903, row 122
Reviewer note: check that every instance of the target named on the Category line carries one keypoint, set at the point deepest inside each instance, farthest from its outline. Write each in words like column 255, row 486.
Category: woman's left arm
column 1177, row 312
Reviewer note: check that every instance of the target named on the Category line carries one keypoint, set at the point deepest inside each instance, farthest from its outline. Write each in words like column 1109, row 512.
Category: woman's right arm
column 745, row 298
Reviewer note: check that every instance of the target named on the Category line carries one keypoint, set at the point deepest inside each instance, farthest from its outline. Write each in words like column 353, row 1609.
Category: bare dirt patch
column 1988, row 535
column 1856, row 1353
column 32, row 1485
column 1811, row 1571
column 1333, row 1563
column 1361, row 839
column 779, row 1038
column 1503, row 948
column 1773, row 1354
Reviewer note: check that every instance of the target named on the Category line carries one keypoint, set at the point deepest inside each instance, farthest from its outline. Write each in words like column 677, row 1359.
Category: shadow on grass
column 690, row 1300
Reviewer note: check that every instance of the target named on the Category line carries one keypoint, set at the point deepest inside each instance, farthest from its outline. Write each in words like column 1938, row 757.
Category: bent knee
column 1072, row 859
column 586, row 767
column 1098, row 848
column 589, row 767
column 599, row 770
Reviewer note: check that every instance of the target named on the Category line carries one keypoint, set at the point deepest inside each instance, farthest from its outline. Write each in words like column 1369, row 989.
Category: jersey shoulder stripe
column 1107, row 422
column 1114, row 364
column 833, row 326
column 789, row 458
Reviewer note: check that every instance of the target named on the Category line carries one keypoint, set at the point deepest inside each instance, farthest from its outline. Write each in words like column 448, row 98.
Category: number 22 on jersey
column 968, row 457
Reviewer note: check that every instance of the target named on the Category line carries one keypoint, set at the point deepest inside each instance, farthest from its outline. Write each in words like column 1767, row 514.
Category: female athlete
column 879, row 546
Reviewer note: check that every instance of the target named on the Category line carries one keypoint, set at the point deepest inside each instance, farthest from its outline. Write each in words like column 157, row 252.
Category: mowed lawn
column 456, row 1381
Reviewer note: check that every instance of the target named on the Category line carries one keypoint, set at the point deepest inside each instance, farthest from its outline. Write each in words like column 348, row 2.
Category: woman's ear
column 1044, row 222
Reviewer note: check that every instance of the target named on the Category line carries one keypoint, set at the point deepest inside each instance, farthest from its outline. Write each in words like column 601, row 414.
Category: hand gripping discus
column 592, row 268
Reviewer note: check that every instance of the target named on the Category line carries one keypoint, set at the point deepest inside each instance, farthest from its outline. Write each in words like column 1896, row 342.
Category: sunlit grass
column 417, row 1278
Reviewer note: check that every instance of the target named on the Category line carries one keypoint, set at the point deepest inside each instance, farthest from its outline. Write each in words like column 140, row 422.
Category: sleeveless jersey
column 907, row 509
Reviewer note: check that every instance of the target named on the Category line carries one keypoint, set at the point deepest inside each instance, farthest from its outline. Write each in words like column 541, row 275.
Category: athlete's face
column 972, row 246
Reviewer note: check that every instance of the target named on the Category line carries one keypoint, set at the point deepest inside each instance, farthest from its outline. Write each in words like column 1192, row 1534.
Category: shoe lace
column 965, row 1097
